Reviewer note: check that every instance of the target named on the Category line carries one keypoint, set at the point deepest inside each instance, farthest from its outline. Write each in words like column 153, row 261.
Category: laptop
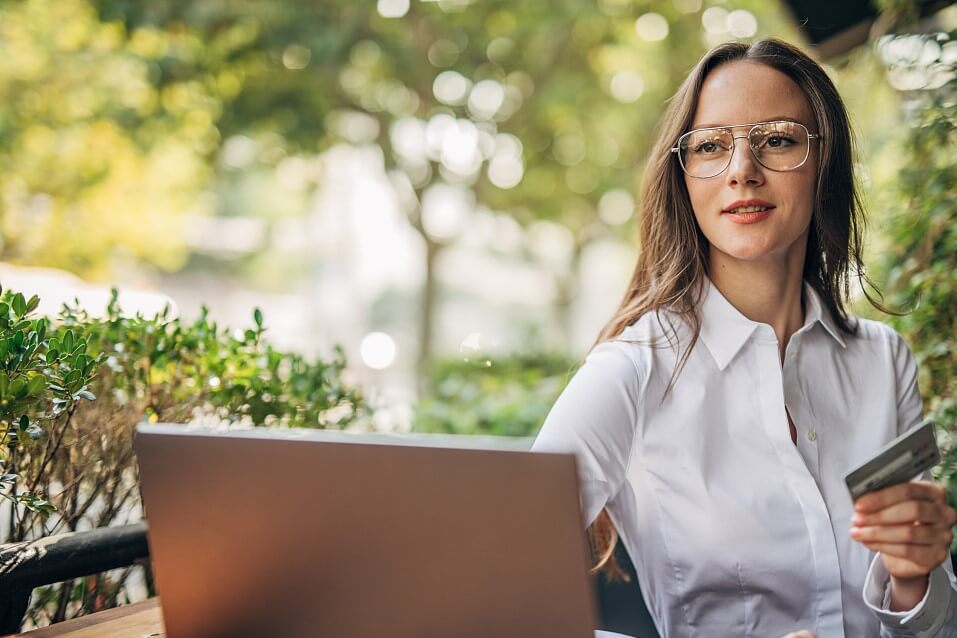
column 303, row 533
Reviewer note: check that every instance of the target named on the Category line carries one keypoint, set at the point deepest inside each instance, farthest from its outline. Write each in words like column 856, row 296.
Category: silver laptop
column 302, row 533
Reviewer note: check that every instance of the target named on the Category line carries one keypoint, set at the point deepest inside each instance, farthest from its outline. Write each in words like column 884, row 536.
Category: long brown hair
column 673, row 257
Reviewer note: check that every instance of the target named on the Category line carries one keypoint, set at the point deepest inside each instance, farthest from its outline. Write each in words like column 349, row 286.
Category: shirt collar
column 816, row 311
column 724, row 330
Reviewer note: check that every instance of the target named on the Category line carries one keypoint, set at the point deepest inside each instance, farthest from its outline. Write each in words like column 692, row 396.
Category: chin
column 749, row 251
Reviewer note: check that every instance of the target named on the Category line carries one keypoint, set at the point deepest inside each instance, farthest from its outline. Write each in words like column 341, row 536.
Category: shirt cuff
column 928, row 613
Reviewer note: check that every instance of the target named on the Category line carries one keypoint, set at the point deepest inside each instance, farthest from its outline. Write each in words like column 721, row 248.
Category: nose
column 744, row 168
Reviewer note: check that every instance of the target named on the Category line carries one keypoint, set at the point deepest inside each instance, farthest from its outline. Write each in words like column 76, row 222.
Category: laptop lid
column 298, row 533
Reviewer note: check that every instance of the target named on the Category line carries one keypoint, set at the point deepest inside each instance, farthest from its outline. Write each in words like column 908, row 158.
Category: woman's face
column 743, row 92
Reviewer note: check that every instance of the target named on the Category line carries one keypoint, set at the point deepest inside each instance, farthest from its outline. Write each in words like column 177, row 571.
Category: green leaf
column 33, row 303
column 18, row 388
column 52, row 355
column 258, row 317
column 68, row 340
column 4, row 385
column 36, row 503
column 24, row 422
column 36, row 385
column 86, row 394
column 19, row 304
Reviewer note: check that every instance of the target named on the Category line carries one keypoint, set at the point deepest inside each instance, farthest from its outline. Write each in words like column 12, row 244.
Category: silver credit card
column 897, row 462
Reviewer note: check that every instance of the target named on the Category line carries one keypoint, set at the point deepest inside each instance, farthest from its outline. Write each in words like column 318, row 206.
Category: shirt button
column 811, row 435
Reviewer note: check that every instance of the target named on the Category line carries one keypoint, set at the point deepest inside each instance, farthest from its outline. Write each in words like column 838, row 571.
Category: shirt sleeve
column 935, row 616
column 595, row 419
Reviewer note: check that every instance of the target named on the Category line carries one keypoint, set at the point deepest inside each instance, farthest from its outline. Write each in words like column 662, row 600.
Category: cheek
column 703, row 194
column 802, row 196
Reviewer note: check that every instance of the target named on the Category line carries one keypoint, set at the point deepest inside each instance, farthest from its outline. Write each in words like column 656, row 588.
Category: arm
column 595, row 419
column 910, row 585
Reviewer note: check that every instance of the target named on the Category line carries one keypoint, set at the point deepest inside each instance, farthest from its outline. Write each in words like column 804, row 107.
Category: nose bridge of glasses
column 750, row 157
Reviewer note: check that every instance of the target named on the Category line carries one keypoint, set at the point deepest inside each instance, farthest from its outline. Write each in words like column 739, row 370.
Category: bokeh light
column 627, row 86
column 392, row 8
column 451, row 87
column 377, row 350
column 741, row 23
column 715, row 20
column 616, row 207
column 652, row 27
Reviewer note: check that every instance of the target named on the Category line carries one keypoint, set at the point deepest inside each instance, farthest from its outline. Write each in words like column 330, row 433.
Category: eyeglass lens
column 778, row 146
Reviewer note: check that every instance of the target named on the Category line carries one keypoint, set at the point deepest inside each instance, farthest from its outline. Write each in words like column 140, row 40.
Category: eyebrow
column 770, row 119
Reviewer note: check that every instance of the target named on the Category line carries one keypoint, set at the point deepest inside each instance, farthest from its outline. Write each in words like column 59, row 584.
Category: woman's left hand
column 909, row 524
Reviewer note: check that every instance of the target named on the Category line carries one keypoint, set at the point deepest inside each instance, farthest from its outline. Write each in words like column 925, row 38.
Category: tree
column 535, row 109
column 97, row 160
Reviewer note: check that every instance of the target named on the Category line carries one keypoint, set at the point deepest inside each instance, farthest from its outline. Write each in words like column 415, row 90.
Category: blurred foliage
column 121, row 122
column 920, row 262
column 508, row 395
column 97, row 160
column 299, row 71
column 71, row 391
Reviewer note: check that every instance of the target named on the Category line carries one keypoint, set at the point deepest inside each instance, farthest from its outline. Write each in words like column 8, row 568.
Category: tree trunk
column 567, row 290
column 427, row 318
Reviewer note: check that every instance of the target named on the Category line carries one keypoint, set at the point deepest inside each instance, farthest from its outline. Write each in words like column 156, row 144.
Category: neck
column 763, row 291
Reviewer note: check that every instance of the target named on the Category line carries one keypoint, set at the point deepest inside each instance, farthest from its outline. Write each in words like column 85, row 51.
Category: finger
column 801, row 634
column 905, row 512
column 950, row 516
column 907, row 534
column 928, row 556
column 915, row 491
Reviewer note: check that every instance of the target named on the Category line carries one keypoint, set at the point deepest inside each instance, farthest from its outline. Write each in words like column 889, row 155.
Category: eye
column 713, row 146
column 779, row 141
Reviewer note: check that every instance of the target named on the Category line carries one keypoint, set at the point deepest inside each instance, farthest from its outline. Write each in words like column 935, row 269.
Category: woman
column 731, row 390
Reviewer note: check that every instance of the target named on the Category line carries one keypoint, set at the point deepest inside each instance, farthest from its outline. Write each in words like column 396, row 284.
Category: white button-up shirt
column 733, row 529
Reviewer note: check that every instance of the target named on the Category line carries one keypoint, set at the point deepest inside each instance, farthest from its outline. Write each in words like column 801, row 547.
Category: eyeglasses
column 777, row 146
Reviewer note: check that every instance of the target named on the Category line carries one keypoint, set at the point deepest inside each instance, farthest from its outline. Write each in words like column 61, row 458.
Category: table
column 139, row 620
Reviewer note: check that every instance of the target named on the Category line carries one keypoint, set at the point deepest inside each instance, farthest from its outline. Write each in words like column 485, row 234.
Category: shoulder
column 869, row 330
column 641, row 341
column 870, row 334
column 614, row 359
column 879, row 339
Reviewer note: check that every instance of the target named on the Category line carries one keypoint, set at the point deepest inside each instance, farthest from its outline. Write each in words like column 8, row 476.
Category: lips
column 747, row 206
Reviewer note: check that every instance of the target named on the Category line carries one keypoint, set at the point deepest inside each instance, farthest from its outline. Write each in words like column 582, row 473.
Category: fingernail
column 857, row 520
column 855, row 531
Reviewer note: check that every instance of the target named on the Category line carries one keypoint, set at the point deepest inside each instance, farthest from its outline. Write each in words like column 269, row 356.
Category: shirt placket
column 829, row 612
column 796, row 402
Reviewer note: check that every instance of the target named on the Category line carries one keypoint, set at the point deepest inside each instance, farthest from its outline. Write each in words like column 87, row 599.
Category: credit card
column 897, row 462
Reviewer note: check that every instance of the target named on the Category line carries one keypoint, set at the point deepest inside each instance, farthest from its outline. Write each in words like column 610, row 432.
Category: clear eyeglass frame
column 677, row 148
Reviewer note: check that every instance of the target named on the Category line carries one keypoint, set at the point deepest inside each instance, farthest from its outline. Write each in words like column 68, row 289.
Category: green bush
column 508, row 396
column 71, row 391
column 920, row 267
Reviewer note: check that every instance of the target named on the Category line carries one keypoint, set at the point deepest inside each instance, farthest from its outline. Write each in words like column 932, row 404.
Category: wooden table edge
column 99, row 618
